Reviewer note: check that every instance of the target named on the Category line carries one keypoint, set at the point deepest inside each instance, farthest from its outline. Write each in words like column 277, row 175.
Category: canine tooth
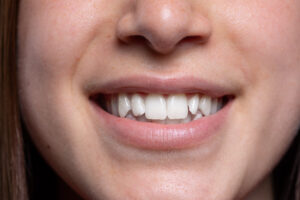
column 177, row 106
column 156, row 108
column 123, row 104
column 137, row 105
column 214, row 106
column 193, row 103
column 205, row 105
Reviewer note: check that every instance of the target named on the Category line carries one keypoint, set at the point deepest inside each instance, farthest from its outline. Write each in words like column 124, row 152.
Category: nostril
column 161, row 46
column 137, row 39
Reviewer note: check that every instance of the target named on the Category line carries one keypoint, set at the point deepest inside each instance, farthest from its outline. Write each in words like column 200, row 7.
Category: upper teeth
column 164, row 107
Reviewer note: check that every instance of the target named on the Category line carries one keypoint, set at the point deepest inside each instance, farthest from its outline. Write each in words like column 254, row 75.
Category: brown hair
column 14, row 182
column 12, row 164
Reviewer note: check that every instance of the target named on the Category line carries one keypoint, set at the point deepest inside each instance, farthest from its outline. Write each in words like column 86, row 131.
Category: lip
column 147, row 135
column 154, row 136
column 159, row 84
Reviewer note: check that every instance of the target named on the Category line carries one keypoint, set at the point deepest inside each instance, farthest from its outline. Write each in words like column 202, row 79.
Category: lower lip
column 147, row 135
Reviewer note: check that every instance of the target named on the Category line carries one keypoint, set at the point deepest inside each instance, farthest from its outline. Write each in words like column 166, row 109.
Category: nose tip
column 163, row 24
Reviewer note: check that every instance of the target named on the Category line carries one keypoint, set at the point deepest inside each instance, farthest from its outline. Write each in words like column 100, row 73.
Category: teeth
column 163, row 109
column 177, row 106
column 137, row 105
column 155, row 107
column 205, row 105
column 193, row 103
column 124, row 105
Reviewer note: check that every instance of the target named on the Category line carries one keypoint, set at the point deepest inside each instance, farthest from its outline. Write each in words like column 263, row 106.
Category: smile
column 162, row 119
column 160, row 108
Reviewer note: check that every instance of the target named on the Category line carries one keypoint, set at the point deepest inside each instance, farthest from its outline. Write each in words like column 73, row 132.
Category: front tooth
column 156, row 108
column 137, row 105
column 205, row 105
column 123, row 104
column 214, row 106
column 177, row 106
column 193, row 103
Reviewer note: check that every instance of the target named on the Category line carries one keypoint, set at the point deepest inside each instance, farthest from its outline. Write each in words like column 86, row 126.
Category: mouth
column 162, row 114
column 161, row 108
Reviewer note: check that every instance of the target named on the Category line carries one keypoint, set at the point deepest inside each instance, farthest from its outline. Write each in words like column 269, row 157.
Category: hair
column 22, row 169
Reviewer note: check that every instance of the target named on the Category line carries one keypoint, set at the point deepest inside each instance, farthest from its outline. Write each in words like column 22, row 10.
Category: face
column 160, row 99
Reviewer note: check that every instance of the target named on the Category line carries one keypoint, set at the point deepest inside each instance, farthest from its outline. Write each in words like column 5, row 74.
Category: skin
column 252, row 47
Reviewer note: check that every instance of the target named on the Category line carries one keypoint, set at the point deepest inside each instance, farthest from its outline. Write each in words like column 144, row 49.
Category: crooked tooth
column 193, row 103
column 123, row 104
column 214, row 106
column 137, row 105
column 205, row 105
column 177, row 106
column 155, row 107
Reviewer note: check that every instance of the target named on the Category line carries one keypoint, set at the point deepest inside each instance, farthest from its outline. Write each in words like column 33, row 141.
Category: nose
column 164, row 24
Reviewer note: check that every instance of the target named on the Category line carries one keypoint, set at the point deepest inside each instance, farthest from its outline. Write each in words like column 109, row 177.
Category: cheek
column 267, row 34
column 53, row 36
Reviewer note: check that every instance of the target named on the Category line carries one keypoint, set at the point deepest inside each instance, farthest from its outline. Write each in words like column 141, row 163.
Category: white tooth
column 193, row 103
column 123, row 104
column 198, row 116
column 205, row 105
column 214, row 106
column 177, row 106
column 137, row 105
column 156, row 108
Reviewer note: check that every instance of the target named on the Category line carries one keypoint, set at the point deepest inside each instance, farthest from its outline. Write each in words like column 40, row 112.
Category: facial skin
column 251, row 47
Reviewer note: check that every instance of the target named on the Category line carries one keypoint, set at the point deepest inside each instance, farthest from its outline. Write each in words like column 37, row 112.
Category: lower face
column 124, row 102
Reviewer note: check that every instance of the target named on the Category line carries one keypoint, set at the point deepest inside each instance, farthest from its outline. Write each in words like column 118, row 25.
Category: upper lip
column 162, row 85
